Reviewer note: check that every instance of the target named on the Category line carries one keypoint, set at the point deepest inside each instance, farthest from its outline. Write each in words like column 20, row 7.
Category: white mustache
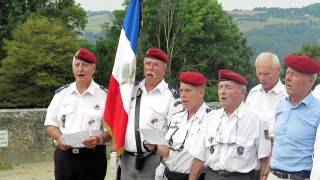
column 151, row 73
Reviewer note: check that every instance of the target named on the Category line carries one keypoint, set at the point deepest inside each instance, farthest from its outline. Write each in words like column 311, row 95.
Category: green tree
column 198, row 35
column 39, row 61
column 15, row 12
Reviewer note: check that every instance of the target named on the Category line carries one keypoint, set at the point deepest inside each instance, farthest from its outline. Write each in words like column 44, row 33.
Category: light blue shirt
column 295, row 132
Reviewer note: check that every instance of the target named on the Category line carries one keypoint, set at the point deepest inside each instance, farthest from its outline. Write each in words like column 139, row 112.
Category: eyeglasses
column 219, row 139
column 185, row 137
column 154, row 65
column 182, row 145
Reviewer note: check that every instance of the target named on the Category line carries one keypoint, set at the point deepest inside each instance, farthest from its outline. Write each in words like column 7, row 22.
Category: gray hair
column 268, row 56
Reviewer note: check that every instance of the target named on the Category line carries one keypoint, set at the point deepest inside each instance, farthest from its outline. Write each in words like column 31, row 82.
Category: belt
column 291, row 175
column 84, row 150
column 145, row 154
column 224, row 173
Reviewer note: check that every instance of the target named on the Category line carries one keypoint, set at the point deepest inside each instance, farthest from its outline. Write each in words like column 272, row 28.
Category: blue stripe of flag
column 131, row 24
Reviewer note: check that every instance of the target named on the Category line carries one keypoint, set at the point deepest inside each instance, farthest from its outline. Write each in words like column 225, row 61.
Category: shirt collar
column 160, row 87
column 237, row 113
column 90, row 89
column 278, row 88
column 201, row 111
column 306, row 100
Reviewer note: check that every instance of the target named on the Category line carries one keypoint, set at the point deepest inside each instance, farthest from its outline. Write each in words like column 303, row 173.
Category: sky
column 110, row 5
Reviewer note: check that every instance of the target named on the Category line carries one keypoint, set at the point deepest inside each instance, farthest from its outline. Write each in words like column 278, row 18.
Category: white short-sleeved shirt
column 73, row 112
column 234, row 143
column 265, row 104
column 156, row 109
column 315, row 172
column 182, row 133
column 316, row 91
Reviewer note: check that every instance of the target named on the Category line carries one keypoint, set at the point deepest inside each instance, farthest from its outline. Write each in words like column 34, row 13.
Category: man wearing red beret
column 152, row 106
column 184, row 127
column 297, row 120
column 78, row 107
column 232, row 140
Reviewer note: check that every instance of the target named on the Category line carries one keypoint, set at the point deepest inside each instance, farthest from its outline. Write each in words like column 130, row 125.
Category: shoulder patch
column 177, row 103
column 104, row 88
column 208, row 110
column 174, row 92
column 61, row 88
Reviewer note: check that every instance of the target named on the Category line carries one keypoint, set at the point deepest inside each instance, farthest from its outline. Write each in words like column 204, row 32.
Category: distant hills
column 278, row 30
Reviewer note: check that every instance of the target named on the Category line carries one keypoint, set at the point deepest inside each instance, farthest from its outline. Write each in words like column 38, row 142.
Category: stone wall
column 28, row 137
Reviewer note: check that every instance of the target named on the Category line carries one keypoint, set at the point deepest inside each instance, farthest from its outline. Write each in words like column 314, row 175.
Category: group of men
column 272, row 133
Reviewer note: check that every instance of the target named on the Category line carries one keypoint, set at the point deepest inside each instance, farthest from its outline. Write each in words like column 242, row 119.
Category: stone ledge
column 28, row 138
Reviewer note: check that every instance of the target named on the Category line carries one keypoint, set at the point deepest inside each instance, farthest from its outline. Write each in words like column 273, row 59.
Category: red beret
column 156, row 53
column 193, row 78
column 303, row 64
column 225, row 75
column 85, row 55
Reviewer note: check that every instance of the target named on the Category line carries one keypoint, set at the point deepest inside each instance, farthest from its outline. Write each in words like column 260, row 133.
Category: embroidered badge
column 154, row 121
column 211, row 149
column 210, row 139
column 63, row 120
column 266, row 134
column 177, row 103
column 139, row 92
column 240, row 150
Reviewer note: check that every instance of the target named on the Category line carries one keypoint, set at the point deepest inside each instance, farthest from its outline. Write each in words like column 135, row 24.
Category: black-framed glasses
column 182, row 145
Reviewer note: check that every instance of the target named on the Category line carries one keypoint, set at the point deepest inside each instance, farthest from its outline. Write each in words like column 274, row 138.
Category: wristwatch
column 265, row 174
column 100, row 140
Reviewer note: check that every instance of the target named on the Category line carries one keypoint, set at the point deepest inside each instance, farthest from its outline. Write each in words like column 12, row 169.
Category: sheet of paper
column 75, row 139
column 96, row 132
column 154, row 136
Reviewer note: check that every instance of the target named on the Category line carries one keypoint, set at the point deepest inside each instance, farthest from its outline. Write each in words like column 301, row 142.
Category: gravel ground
column 37, row 171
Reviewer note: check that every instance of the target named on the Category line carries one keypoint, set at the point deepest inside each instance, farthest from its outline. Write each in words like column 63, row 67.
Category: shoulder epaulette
column 62, row 88
column 174, row 92
column 136, row 82
column 208, row 110
column 104, row 88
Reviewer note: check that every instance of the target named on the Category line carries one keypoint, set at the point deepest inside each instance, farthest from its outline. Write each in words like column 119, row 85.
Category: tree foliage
column 15, row 12
column 38, row 62
column 198, row 35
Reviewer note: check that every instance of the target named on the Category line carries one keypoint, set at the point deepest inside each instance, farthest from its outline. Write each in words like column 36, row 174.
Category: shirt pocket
column 158, row 119
column 93, row 118
column 243, row 152
column 63, row 116
column 211, row 145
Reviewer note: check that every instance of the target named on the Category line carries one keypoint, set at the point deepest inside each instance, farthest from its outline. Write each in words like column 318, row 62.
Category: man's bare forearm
column 196, row 169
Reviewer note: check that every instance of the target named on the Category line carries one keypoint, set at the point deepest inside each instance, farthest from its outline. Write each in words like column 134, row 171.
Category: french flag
column 123, row 77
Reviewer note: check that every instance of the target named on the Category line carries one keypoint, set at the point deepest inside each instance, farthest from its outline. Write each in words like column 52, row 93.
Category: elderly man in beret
column 297, row 120
column 232, row 143
column 78, row 107
column 152, row 106
column 184, row 127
